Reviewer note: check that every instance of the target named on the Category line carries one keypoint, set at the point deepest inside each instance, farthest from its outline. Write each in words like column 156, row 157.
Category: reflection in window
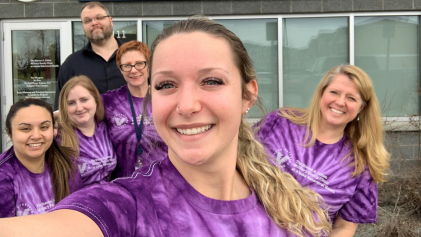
column 260, row 37
column 386, row 47
column 123, row 30
column 36, row 60
column 311, row 47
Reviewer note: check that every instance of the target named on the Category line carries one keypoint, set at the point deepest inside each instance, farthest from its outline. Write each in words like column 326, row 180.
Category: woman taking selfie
column 83, row 129
column 334, row 147
column 35, row 173
column 215, row 179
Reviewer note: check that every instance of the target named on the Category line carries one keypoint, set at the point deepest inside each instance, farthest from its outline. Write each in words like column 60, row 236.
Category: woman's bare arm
column 343, row 228
column 63, row 223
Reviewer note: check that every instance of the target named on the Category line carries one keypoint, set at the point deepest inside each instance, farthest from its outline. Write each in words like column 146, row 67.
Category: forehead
column 86, row 12
column 344, row 83
column 133, row 55
column 192, row 50
column 32, row 115
column 77, row 91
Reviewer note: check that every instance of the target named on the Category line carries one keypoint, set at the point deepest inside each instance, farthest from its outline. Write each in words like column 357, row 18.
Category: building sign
column 36, row 61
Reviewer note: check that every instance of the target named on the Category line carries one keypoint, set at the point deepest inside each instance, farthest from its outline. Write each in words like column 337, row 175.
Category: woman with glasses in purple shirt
column 215, row 179
column 334, row 147
column 130, row 124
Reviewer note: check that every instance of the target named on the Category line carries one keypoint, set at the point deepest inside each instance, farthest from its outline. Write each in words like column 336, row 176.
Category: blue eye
column 213, row 81
column 164, row 85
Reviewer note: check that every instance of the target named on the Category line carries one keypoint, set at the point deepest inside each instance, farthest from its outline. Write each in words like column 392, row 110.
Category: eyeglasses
column 128, row 67
column 97, row 18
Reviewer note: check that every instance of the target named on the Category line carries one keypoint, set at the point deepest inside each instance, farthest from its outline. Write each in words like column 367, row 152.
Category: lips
column 194, row 131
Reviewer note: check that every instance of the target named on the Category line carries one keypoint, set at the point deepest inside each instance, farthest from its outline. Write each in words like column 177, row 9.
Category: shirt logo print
column 120, row 120
column 281, row 158
column 82, row 168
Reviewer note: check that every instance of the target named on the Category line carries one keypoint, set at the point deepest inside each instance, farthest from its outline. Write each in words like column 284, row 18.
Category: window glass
column 123, row 30
column 36, row 59
column 386, row 48
column 260, row 37
column 311, row 47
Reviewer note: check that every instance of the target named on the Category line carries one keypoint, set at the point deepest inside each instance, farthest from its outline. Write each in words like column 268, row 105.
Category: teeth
column 336, row 111
column 35, row 144
column 194, row 131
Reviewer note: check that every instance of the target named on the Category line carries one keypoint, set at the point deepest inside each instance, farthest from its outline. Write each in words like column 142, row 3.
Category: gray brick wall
column 405, row 151
column 10, row 9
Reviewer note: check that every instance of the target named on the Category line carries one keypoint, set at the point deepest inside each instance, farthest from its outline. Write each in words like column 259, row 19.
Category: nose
column 189, row 100
column 78, row 106
column 35, row 134
column 134, row 70
column 340, row 101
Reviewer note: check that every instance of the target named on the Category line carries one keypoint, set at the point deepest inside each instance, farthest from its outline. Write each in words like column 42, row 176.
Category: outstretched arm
column 64, row 223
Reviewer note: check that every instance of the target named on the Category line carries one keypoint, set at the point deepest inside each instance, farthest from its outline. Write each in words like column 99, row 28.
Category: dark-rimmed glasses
column 97, row 18
column 128, row 67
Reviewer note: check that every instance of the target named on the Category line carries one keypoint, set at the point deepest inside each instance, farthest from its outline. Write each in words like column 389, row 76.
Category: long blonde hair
column 289, row 205
column 365, row 132
column 67, row 127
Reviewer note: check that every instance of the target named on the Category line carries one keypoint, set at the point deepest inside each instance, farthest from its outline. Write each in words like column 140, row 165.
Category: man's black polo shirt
column 105, row 75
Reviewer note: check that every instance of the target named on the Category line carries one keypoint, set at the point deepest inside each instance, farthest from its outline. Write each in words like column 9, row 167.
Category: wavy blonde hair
column 365, row 132
column 289, row 205
column 67, row 126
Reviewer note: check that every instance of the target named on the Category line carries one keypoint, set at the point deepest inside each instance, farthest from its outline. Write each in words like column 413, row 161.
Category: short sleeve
column 265, row 126
column 109, row 205
column 7, row 197
column 362, row 207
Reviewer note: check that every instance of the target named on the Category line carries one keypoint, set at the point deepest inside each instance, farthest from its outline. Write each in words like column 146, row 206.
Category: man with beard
column 97, row 59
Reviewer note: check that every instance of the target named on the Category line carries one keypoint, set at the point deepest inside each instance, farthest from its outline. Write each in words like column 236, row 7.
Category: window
column 311, row 47
column 386, row 48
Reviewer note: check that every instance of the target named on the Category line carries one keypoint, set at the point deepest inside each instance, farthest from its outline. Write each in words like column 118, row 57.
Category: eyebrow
column 204, row 70
column 46, row 121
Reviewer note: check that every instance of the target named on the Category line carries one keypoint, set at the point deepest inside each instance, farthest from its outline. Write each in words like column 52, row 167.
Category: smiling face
column 81, row 106
column 96, row 31
column 135, row 78
column 32, row 133
column 340, row 103
column 197, row 99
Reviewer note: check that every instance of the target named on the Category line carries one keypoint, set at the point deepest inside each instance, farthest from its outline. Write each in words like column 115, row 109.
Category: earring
column 358, row 118
column 248, row 109
column 178, row 106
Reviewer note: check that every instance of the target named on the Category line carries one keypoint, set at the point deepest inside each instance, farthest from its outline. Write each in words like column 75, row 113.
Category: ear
column 111, row 20
column 253, row 89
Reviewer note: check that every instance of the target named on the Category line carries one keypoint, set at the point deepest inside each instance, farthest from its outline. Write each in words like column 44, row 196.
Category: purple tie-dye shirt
column 158, row 201
column 123, row 136
column 23, row 192
column 97, row 158
column 322, row 168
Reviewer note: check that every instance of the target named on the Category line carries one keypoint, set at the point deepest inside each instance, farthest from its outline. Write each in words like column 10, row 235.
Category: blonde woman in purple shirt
column 334, row 147
column 35, row 173
column 216, row 179
column 83, row 129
